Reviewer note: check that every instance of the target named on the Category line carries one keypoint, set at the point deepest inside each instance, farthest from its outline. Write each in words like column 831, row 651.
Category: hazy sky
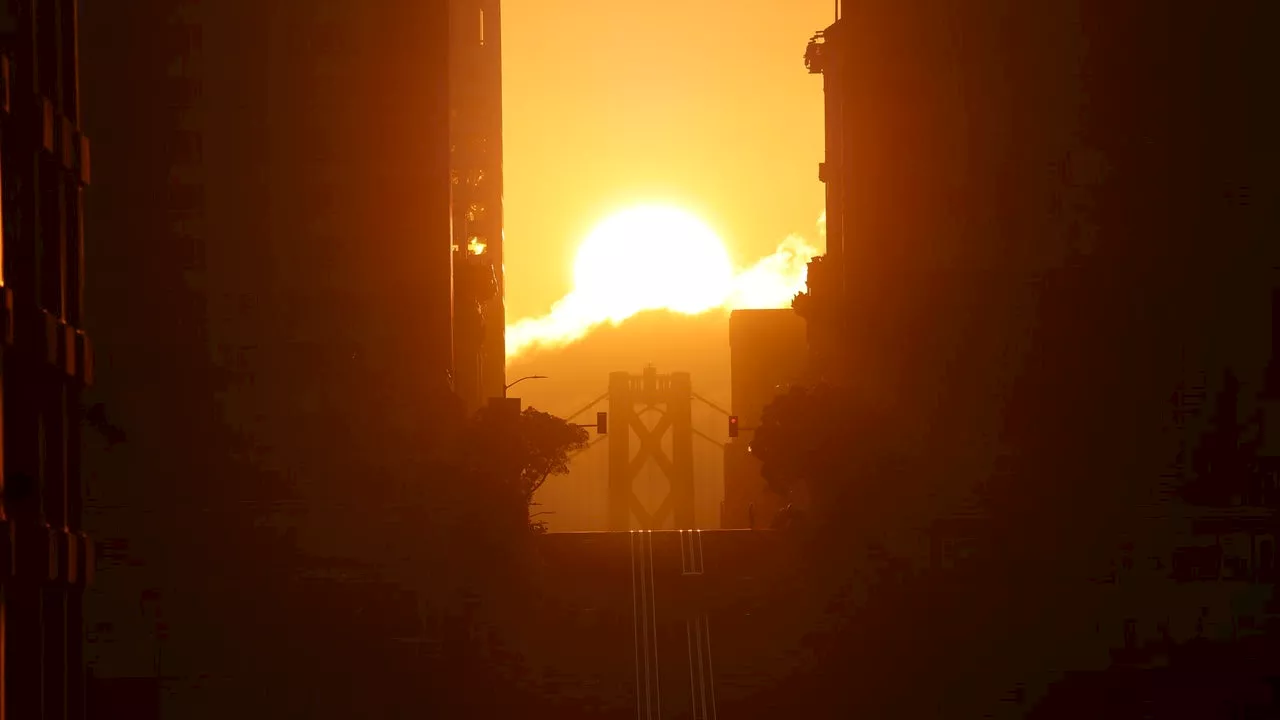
column 702, row 103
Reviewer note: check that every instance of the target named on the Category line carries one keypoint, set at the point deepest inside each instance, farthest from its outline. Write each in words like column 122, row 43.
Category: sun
column 657, row 257
column 652, row 257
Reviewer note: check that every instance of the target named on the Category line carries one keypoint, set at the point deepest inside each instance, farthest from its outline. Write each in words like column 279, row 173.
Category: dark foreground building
column 45, row 557
column 275, row 298
column 1113, row 153
column 476, row 115
column 1043, row 222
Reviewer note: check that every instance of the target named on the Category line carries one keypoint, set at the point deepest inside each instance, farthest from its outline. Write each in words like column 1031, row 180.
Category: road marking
column 711, row 673
column 693, row 696
column 698, row 634
column 710, row 686
column 635, row 624
column 644, row 617
column 657, row 685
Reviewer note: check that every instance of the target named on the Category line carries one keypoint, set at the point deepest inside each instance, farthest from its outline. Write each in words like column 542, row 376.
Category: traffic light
column 733, row 426
column 602, row 423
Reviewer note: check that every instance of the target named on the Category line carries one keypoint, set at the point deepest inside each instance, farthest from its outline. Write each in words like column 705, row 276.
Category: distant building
column 46, row 363
column 767, row 353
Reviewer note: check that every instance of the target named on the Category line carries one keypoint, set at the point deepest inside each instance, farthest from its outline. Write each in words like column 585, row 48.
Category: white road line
column 710, row 685
column 702, row 680
column 646, row 609
column 711, row 673
column 657, row 685
column 635, row 622
column 693, row 696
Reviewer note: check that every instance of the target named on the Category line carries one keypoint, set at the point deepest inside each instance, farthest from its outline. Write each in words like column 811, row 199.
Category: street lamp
column 517, row 382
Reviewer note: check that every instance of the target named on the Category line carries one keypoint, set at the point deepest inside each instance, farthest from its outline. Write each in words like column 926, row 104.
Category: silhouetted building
column 1041, row 221
column 1267, row 487
column 767, row 353
column 276, row 294
column 151, row 493
column 476, row 116
column 137, row 698
column 46, row 558
column 1034, row 259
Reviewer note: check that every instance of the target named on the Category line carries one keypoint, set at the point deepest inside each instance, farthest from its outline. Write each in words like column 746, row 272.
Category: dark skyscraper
column 1019, row 213
column 276, row 294
column 476, row 117
column 47, row 362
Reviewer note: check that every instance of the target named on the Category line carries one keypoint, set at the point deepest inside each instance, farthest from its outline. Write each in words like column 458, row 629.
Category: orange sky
column 680, row 101
column 667, row 101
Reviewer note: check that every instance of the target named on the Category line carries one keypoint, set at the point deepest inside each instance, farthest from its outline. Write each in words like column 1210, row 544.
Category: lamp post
column 517, row 382
column 511, row 406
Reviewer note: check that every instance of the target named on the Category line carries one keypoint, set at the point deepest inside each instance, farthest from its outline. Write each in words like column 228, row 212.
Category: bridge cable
column 710, row 404
column 707, row 437
column 587, row 407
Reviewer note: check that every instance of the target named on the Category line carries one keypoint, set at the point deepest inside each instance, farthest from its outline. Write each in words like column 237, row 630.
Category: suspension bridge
column 631, row 401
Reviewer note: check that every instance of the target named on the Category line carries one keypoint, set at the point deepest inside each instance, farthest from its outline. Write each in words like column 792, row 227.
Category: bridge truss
column 631, row 398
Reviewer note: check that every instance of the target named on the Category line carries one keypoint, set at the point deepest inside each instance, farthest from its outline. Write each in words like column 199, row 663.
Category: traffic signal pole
column 601, row 424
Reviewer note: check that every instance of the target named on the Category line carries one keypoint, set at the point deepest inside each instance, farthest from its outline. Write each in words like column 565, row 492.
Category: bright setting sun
column 650, row 258
column 657, row 257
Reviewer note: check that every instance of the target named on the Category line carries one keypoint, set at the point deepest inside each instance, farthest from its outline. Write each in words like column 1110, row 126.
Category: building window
column 1236, row 567
column 1197, row 563
column 1130, row 634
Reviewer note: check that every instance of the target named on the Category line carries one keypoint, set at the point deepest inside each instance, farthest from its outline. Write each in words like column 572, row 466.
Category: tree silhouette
column 851, row 462
column 508, row 457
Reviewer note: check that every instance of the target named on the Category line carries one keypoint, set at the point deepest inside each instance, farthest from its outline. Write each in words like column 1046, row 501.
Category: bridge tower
column 630, row 398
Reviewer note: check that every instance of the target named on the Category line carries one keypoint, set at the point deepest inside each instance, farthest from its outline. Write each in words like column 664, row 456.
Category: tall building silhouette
column 1267, row 489
column 476, row 128
column 1041, row 223
column 276, row 293
column 1002, row 242
column 47, row 363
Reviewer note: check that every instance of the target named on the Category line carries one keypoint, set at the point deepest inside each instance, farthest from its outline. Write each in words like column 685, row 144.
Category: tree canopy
column 508, row 457
column 819, row 446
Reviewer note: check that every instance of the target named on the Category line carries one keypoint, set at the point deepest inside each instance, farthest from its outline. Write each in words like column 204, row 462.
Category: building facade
column 277, row 294
column 1041, row 221
column 47, row 363
column 476, row 119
